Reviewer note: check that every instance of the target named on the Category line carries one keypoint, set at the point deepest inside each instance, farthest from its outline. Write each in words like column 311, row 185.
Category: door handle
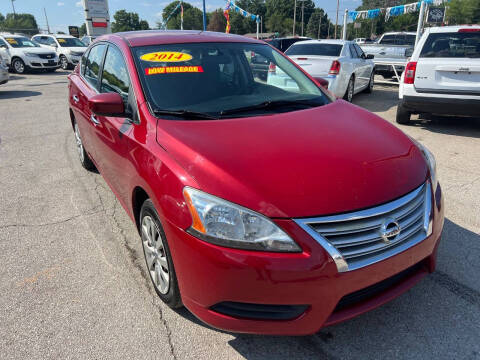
column 94, row 120
column 75, row 98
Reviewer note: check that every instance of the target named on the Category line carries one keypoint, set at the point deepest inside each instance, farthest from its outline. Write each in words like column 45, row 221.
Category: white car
column 22, row 54
column 68, row 48
column 3, row 71
column 443, row 75
column 87, row 39
column 342, row 64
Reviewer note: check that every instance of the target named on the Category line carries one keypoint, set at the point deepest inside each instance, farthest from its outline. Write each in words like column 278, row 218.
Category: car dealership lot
column 73, row 279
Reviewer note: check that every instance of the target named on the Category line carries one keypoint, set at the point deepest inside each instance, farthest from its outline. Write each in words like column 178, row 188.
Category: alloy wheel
column 372, row 81
column 155, row 255
column 78, row 141
column 64, row 62
column 19, row 66
column 350, row 90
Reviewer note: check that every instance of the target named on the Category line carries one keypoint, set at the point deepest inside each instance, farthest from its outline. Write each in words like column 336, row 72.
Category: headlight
column 226, row 224
column 31, row 54
column 432, row 164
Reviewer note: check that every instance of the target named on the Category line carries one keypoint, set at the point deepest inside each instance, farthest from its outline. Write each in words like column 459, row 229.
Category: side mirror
column 3, row 46
column 107, row 104
column 370, row 56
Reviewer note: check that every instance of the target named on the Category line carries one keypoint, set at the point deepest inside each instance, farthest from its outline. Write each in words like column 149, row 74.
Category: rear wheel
column 18, row 66
column 350, row 90
column 157, row 256
column 82, row 154
column 403, row 115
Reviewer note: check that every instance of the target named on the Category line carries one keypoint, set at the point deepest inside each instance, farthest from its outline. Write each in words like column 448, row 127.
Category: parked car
column 342, row 63
column 391, row 47
column 3, row 71
column 22, row 54
column 443, row 75
column 68, row 48
column 283, row 44
column 87, row 39
column 261, row 210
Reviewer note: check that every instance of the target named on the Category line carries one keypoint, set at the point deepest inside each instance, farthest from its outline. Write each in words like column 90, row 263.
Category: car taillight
column 335, row 68
column 410, row 72
column 469, row 30
column 272, row 67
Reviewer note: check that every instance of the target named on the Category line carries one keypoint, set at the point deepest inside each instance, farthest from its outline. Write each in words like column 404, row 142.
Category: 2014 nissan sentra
column 262, row 209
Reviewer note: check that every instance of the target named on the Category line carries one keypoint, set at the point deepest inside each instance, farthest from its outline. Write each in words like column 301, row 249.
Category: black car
column 283, row 44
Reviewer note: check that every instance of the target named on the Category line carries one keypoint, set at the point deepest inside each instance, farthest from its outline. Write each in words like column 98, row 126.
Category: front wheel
column 157, row 256
column 350, row 89
column 18, row 66
column 64, row 63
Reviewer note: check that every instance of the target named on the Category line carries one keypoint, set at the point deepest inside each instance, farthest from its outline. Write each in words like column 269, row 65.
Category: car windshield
column 452, row 45
column 220, row 79
column 315, row 49
column 70, row 42
column 21, row 42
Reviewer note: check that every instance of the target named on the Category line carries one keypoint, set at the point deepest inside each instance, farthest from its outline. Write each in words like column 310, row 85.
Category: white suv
column 3, row 71
column 443, row 75
column 68, row 48
column 22, row 54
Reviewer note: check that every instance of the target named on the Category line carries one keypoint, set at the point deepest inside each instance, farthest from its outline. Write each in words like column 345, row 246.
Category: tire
column 403, row 116
column 64, row 62
column 85, row 160
column 157, row 256
column 350, row 90
column 18, row 66
column 369, row 88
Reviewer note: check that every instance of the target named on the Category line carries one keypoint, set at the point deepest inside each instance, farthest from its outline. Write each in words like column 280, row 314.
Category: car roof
column 440, row 29
column 400, row 33
column 11, row 35
column 156, row 37
column 324, row 41
column 56, row 35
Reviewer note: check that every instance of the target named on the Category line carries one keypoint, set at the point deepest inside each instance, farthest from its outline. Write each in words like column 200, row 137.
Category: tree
column 82, row 30
column 128, row 21
column 217, row 21
column 22, row 23
column 314, row 23
column 282, row 13
column 463, row 12
column 192, row 17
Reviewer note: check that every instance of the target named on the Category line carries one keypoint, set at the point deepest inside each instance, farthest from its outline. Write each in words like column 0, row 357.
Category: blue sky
column 62, row 13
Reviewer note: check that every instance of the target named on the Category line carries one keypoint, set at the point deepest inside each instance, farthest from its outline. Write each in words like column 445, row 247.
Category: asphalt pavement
column 72, row 275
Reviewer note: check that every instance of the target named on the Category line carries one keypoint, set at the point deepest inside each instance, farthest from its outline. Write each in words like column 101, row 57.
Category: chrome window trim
column 340, row 262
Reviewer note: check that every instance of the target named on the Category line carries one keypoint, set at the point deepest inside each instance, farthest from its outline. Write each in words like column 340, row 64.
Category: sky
column 62, row 13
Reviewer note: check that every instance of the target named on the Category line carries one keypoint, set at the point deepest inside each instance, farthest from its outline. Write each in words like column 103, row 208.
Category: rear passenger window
column 92, row 66
column 353, row 52
column 452, row 45
column 115, row 74
column 360, row 52
column 388, row 40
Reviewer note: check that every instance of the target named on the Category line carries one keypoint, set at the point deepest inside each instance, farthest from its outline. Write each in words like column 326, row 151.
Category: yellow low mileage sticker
column 166, row 56
column 61, row 40
column 12, row 41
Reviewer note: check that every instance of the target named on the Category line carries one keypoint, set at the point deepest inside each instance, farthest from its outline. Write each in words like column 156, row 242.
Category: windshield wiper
column 186, row 114
column 271, row 105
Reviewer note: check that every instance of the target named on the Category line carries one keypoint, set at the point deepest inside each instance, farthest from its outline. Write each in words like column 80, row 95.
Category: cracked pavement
column 73, row 279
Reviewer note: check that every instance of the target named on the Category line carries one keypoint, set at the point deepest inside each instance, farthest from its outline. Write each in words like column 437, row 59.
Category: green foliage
column 22, row 23
column 463, row 12
column 192, row 17
column 128, row 21
column 314, row 23
column 216, row 21
column 82, row 30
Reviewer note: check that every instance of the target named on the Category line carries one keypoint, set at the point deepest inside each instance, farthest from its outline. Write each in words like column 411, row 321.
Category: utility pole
column 204, row 17
column 303, row 8
column 320, row 25
column 13, row 6
column 46, row 18
column 336, row 22
column 294, row 17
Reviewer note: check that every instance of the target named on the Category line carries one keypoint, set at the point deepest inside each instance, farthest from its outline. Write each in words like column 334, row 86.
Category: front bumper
column 209, row 275
column 39, row 63
column 441, row 106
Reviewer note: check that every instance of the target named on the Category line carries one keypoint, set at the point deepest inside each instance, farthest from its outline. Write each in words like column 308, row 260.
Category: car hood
column 325, row 160
column 76, row 49
column 36, row 50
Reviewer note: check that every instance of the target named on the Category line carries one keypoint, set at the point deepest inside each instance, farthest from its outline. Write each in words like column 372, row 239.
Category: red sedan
column 272, row 209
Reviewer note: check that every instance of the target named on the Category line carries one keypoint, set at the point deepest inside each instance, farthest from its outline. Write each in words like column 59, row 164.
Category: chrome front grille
column 362, row 238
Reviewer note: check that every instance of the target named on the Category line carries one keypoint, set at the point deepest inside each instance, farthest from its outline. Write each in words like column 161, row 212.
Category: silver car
column 342, row 64
column 3, row 71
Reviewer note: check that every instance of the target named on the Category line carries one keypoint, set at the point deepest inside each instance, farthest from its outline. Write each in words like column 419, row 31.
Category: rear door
column 449, row 63
column 365, row 66
column 82, row 88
